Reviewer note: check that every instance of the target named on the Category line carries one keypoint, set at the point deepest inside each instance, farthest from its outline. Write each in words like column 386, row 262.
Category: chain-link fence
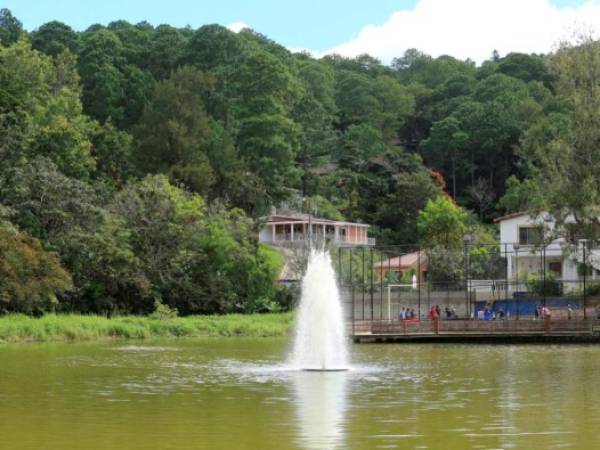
column 500, row 281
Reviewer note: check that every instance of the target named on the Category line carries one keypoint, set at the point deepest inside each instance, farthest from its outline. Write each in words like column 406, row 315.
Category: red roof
column 406, row 260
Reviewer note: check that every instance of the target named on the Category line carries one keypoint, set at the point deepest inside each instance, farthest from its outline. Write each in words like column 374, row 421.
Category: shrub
column 548, row 287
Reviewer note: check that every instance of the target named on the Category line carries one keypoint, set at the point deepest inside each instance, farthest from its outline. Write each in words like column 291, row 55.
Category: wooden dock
column 525, row 330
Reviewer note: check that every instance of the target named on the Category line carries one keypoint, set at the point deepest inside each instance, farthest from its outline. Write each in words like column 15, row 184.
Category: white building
column 285, row 229
column 521, row 240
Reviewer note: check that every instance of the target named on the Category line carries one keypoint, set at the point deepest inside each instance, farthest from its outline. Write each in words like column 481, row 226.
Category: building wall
column 265, row 234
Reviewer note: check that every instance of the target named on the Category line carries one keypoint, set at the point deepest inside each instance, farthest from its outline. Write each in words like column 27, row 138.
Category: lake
column 237, row 394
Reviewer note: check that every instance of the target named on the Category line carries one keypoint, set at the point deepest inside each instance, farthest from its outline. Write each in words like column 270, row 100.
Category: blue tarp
column 527, row 306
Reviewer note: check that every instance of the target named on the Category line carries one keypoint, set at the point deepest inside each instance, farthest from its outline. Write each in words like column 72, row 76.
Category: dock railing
column 466, row 328
column 512, row 283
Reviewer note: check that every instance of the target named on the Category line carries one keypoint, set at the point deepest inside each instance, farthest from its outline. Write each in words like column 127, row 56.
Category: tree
column 565, row 163
column 42, row 100
column 31, row 278
column 198, row 260
column 11, row 28
column 442, row 223
column 483, row 196
column 53, row 38
column 175, row 127
column 446, row 141
column 112, row 150
column 100, row 58
column 91, row 242
column 519, row 195
column 167, row 45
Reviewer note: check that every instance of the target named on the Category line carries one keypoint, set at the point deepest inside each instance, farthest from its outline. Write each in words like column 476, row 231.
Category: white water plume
column 320, row 404
column 320, row 340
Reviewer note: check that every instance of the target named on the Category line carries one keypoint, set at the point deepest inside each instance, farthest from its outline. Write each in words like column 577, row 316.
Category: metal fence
column 507, row 281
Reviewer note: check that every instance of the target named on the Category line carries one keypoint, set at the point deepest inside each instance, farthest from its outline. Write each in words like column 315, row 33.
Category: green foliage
column 138, row 153
column 162, row 311
column 174, row 128
column 544, row 287
column 442, row 224
column 62, row 327
column 519, row 196
column 30, row 277
column 11, row 28
column 54, row 37
column 561, row 154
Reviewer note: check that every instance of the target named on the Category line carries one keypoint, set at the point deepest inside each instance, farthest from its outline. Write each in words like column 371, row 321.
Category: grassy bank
column 21, row 328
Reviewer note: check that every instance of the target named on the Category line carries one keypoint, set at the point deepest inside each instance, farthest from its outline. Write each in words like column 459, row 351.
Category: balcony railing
column 298, row 237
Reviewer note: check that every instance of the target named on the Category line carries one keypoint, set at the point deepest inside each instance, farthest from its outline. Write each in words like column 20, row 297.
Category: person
column 546, row 311
column 448, row 313
column 598, row 311
column 501, row 314
column 453, row 314
column 433, row 314
column 402, row 314
column 537, row 313
column 569, row 311
column 487, row 314
column 412, row 314
column 438, row 310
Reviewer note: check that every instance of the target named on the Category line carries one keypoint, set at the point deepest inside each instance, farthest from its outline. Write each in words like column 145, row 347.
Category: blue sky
column 380, row 27
column 317, row 24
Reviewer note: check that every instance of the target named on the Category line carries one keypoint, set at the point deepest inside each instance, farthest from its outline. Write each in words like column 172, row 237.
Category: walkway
column 579, row 330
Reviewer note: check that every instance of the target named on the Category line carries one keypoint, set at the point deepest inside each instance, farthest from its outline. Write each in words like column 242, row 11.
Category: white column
column 292, row 231
column 336, row 233
column 273, row 237
column 323, row 231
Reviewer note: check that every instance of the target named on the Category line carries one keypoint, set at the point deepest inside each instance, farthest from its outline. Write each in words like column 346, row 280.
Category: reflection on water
column 320, row 404
column 237, row 394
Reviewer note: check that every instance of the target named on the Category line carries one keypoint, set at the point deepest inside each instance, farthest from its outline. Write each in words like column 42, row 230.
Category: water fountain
column 320, row 339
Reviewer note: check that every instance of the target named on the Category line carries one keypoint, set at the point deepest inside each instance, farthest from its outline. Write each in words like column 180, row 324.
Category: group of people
column 407, row 314
column 489, row 314
column 435, row 313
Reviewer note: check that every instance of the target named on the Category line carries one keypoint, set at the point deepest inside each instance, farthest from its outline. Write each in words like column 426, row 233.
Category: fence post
column 584, row 279
column 371, row 287
column 466, row 262
column 340, row 277
column 548, row 323
column 505, row 279
column 544, row 274
column 351, row 279
column 362, row 282
column 419, row 281
column 516, row 247
column 380, row 285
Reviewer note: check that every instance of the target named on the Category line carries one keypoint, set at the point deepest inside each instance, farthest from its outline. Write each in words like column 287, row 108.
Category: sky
column 382, row 28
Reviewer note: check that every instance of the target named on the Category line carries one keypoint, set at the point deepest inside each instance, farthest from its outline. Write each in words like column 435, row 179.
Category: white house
column 521, row 238
column 296, row 228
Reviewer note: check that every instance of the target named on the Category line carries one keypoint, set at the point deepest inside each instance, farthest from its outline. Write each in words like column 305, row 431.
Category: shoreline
column 18, row 328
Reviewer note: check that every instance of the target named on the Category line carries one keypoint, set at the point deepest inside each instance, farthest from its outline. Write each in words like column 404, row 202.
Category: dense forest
column 135, row 160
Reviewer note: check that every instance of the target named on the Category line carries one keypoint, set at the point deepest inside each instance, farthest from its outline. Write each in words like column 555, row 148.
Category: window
column 555, row 268
column 530, row 235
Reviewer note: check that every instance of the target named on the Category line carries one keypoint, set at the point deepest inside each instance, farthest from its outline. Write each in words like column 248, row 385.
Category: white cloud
column 472, row 28
column 236, row 27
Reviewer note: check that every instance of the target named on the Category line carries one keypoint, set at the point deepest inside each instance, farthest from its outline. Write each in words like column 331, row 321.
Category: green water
column 237, row 394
